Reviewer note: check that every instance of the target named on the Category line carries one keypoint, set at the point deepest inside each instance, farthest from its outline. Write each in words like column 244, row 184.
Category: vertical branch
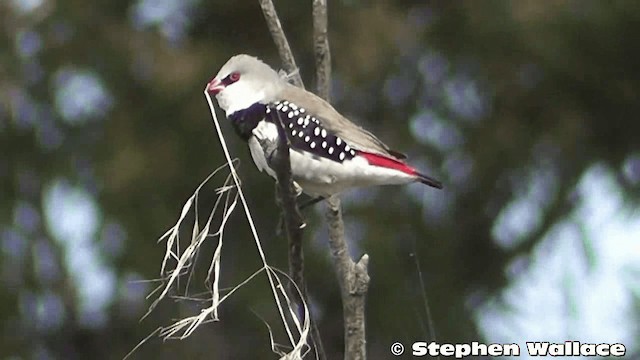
column 294, row 224
column 321, row 48
column 354, row 283
column 353, row 277
column 279, row 38
column 281, row 163
column 286, row 190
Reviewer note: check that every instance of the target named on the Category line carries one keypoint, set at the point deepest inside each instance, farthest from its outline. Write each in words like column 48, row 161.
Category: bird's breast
column 246, row 120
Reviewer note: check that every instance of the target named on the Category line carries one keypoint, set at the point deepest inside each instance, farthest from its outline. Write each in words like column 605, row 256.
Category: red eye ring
column 234, row 76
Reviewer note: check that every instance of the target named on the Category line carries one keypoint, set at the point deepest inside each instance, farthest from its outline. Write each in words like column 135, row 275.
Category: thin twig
column 353, row 277
column 354, row 283
column 282, row 167
column 280, row 162
column 425, row 299
column 279, row 38
column 321, row 48
column 323, row 75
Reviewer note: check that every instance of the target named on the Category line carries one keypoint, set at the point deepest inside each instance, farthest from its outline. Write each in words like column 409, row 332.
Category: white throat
column 241, row 96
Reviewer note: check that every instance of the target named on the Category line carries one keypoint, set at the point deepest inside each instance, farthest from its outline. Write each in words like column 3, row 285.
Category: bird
column 328, row 153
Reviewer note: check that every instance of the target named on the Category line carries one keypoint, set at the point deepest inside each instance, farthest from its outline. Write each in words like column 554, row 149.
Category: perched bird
column 328, row 153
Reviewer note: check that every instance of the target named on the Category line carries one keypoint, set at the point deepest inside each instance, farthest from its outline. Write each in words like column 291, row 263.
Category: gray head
column 243, row 81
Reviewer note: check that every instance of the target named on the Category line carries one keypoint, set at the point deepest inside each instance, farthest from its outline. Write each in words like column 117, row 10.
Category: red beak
column 215, row 86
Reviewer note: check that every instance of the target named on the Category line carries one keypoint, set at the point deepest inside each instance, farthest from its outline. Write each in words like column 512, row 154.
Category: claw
column 311, row 202
column 298, row 189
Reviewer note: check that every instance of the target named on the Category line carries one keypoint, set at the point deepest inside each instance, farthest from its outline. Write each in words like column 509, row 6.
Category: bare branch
column 280, row 156
column 282, row 167
column 280, row 162
column 354, row 283
column 353, row 277
column 321, row 48
column 273, row 23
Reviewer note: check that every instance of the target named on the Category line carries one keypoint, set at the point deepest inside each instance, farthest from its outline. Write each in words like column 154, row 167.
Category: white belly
column 319, row 176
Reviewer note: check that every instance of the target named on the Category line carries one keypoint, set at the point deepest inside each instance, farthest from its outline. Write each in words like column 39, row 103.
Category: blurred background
column 527, row 110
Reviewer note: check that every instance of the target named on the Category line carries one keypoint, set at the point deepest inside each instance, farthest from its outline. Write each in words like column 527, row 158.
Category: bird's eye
column 234, row 76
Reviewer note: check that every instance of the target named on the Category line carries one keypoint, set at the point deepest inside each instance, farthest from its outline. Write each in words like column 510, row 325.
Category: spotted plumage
column 306, row 133
column 328, row 153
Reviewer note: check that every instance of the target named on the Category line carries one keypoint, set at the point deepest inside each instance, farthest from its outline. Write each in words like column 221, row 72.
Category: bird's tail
column 427, row 180
column 391, row 163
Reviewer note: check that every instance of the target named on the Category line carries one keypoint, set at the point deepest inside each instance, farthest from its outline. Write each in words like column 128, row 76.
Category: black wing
column 306, row 133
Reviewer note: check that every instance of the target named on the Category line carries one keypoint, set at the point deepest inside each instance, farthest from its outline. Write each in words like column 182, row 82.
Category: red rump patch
column 387, row 162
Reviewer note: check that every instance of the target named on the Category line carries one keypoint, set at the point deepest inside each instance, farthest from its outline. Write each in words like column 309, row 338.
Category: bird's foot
column 280, row 228
column 311, row 202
